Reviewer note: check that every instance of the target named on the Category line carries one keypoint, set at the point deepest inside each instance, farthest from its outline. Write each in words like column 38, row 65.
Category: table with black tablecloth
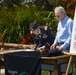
column 55, row 60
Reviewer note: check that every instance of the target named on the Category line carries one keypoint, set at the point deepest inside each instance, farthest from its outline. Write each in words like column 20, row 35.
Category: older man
column 64, row 32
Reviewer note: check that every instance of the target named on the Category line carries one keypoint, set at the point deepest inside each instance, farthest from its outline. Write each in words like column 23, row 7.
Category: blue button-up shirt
column 64, row 32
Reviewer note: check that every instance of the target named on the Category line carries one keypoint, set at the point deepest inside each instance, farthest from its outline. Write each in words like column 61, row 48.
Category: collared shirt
column 64, row 32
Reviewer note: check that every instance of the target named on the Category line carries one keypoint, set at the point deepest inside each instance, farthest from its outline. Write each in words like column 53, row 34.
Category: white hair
column 61, row 9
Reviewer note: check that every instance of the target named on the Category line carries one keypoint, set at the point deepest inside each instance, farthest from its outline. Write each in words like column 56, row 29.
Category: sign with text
column 73, row 40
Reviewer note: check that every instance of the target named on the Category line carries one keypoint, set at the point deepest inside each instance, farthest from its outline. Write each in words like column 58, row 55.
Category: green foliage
column 44, row 72
column 14, row 23
column 10, row 3
column 51, row 22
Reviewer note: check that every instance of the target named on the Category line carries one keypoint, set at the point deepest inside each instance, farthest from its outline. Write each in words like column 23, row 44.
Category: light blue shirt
column 64, row 32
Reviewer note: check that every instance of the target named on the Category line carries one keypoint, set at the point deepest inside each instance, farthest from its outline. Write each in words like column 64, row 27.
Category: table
column 55, row 60
column 10, row 51
column 71, row 59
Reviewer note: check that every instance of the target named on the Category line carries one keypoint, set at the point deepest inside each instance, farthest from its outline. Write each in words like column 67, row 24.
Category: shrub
column 14, row 23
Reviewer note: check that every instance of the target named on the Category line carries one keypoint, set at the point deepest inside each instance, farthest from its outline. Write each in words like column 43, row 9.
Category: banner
column 73, row 40
column 22, row 63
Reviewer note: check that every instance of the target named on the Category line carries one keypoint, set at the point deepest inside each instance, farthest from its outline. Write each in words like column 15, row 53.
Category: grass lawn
column 46, row 72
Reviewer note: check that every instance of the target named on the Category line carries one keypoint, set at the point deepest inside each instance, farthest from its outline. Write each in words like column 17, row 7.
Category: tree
column 10, row 3
column 69, row 6
column 44, row 4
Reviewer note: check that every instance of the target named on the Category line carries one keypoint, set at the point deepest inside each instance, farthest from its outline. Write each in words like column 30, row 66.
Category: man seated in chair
column 42, row 37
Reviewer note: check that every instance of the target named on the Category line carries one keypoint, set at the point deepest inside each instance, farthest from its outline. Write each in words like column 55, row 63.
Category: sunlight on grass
column 74, row 71
column 44, row 72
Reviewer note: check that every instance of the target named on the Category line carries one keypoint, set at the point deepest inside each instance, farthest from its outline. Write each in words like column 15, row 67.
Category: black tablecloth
column 22, row 63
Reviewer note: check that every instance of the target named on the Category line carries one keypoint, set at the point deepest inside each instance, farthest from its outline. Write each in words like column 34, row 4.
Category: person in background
column 42, row 37
column 64, row 33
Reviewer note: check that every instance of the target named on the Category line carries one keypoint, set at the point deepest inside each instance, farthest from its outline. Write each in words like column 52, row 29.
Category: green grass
column 46, row 72
column 74, row 71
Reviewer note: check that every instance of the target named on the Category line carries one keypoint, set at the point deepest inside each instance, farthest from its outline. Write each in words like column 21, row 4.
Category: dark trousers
column 70, row 74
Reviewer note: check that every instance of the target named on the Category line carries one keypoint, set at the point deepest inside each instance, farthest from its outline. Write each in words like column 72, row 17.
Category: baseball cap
column 33, row 26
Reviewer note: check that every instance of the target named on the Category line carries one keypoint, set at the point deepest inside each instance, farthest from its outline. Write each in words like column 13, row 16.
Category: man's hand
column 33, row 48
column 59, row 48
column 52, row 46
column 41, row 48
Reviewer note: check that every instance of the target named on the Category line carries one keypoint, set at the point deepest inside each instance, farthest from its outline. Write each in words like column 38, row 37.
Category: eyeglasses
column 57, row 16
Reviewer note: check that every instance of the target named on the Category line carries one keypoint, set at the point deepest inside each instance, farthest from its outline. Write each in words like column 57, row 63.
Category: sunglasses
column 57, row 16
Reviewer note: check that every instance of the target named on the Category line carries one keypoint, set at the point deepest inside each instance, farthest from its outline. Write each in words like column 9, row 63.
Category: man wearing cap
column 42, row 37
